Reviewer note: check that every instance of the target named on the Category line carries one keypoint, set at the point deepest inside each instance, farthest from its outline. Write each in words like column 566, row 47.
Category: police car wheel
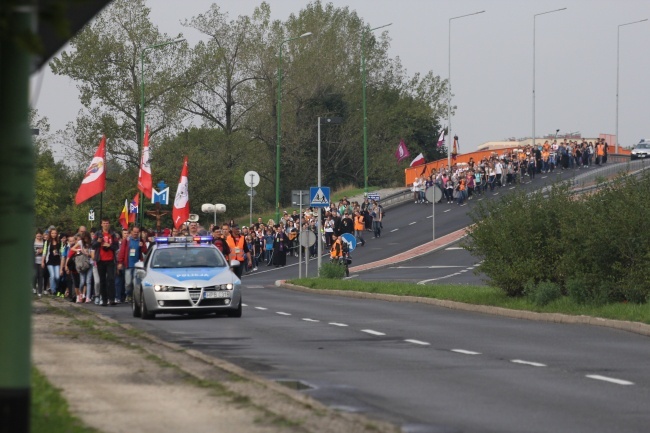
column 144, row 311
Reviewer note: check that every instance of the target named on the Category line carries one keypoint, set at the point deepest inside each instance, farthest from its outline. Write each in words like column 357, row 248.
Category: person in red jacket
column 132, row 250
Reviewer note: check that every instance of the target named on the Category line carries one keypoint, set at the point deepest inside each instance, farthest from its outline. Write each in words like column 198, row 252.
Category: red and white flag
column 124, row 215
column 419, row 160
column 181, row 209
column 134, row 207
column 145, row 182
column 94, row 181
column 402, row 152
column 441, row 139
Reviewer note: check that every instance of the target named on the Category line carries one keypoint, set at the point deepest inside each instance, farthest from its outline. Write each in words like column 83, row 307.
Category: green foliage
column 543, row 293
column 49, row 411
column 332, row 271
column 596, row 247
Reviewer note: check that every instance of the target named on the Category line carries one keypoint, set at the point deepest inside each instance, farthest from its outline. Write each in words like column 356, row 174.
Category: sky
column 491, row 61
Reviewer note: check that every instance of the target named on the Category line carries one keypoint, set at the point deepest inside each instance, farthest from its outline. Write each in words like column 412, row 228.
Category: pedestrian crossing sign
column 319, row 196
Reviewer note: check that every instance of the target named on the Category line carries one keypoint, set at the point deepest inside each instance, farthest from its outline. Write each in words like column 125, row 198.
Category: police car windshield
column 192, row 257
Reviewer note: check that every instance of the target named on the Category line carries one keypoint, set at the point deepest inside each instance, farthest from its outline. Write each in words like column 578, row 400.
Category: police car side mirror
column 234, row 263
column 139, row 265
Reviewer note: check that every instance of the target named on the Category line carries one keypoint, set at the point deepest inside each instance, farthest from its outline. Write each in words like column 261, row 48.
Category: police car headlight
column 160, row 288
column 228, row 286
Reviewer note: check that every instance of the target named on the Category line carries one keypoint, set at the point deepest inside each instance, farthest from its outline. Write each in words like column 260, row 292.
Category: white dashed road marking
column 394, row 230
column 414, row 222
column 307, row 319
column 421, row 343
column 465, row 352
column 610, row 379
column 370, row 331
column 261, row 308
column 448, row 210
column 282, row 313
column 532, row 364
column 338, row 324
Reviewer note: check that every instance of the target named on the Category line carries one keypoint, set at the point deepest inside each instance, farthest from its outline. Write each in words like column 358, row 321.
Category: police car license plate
column 220, row 294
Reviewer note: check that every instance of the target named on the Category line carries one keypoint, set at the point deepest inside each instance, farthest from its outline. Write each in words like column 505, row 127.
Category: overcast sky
column 491, row 61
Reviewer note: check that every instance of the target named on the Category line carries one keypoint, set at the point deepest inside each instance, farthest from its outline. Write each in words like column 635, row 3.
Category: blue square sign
column 319, row 196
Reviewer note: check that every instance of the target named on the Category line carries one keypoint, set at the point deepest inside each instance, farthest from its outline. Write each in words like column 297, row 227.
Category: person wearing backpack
column 82, row 252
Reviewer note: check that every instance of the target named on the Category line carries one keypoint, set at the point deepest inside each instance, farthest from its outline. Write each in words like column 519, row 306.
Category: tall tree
column 105, row 61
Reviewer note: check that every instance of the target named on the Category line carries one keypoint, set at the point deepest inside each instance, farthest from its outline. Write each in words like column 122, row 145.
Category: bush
column 584, row 290
column 332, row 271
column 543, row 293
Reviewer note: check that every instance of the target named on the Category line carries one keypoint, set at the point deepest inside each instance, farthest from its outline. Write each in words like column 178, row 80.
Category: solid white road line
column 338, row 324
column 254, row 286
column 454, row 248
column 465, row 352
column 370, row 331
column 307, row 319
column 532, row 364
column 282, row 313
column 421, row 343
column 426, row 267
column 261, row 308
column 610, row 379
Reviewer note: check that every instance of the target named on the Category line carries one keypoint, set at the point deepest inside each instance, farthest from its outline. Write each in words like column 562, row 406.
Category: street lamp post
column 279, row 117
column 534, row 25
column 365, row 119
column 144, row 50
column 618, row 45
column 449, row 136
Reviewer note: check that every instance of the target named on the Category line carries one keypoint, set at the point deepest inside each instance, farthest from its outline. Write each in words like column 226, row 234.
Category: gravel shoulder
column 118, row 379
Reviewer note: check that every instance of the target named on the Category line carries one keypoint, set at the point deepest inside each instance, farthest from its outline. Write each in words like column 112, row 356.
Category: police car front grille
column 195, row 293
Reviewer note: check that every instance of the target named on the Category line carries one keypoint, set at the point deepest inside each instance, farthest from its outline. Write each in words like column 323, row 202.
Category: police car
column 185, row 275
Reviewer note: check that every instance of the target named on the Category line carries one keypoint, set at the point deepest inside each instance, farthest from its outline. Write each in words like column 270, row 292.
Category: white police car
column 185, row 275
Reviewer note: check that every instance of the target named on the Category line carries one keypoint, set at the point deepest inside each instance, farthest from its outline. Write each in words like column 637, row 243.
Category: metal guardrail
column 396, row 198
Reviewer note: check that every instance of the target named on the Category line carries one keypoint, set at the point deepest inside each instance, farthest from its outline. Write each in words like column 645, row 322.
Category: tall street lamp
column 365, row 119
column 144, row 50
column 534, row 21
column 449, row 87
column 618, row 45
column 279, row 116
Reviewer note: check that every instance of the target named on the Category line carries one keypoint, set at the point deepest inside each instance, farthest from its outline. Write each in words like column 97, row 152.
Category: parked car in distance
column 641, row 150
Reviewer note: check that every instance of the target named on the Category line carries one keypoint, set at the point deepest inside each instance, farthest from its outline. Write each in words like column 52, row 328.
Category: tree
column 105, row 61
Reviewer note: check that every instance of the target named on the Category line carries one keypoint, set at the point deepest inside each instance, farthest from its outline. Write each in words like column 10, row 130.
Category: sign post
column 298, row 197
column 252, row 179
column 319, row 197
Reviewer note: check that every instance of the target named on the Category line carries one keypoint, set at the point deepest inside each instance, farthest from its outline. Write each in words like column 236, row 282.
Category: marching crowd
column 516, row 166
column 85, row 266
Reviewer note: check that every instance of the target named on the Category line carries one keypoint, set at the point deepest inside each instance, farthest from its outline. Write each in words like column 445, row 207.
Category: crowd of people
column 99, row 266
column 514, row 166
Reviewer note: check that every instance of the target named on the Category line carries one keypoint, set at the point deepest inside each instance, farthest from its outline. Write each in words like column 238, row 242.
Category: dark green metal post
column 16, row 218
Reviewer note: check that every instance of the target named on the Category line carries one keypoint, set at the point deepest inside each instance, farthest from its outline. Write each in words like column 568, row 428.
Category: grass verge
column 49, row 410
column 482, row 295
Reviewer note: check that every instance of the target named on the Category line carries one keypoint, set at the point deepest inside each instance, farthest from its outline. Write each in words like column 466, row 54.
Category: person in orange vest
column 336, row 251
column 359, row 227
column 600, row 153
column 238, row 251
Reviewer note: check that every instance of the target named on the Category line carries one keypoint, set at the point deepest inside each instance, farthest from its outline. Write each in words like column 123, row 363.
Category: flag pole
column 101, row 204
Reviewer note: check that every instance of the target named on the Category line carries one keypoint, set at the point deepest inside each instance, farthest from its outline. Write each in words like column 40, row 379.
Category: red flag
column 419, row 160
column 145, row 182
column 94, row 181
column 124, row 216
column 181, row 209
column 133, row 207
column 402, row 152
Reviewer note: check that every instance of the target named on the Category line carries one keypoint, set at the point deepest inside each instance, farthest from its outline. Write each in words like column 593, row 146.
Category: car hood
column 190, row 276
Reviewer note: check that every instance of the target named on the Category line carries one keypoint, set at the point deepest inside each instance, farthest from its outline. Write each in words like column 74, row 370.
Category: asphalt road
column 425, row 368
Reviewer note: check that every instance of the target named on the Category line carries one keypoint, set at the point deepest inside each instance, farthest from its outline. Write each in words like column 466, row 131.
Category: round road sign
column 251, row 179
column 433, row 194
column 307, row 238
column 350, row 240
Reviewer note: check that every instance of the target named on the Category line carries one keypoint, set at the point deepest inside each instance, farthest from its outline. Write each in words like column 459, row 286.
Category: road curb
column 635, row 327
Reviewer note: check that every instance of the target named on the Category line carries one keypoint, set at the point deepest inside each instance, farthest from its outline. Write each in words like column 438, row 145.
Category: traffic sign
column 350, row 240
column 373, row 196
column 433, row 194
column 251, row 192
column 307, row 238
column 251, row 179
column 91, row 215
column 319, row 196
